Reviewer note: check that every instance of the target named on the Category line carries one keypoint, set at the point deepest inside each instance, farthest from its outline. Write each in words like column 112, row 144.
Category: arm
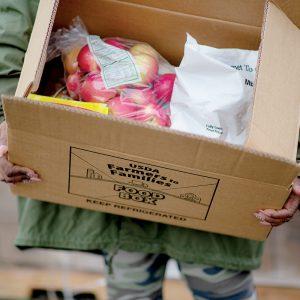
column 271, row 217
column 16, row 21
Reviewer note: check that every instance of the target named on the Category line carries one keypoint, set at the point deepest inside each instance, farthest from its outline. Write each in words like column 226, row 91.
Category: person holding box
column 136, row 252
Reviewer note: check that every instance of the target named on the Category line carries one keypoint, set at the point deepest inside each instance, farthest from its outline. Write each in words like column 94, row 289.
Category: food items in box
column 130, row 77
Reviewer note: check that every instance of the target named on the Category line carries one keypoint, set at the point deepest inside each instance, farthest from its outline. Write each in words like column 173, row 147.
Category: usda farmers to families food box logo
column 109, row 180
column 141, row 172
column 136, row 194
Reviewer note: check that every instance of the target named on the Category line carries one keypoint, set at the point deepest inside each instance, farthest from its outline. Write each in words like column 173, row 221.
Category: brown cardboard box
column 132, row 169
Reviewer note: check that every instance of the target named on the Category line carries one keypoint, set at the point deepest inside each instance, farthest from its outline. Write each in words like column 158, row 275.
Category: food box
column 132, row 169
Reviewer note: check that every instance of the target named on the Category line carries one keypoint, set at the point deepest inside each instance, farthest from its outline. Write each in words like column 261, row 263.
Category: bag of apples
column 131, row 77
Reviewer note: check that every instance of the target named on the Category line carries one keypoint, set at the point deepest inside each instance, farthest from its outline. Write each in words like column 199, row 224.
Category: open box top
column 238, row 24
column 245, row 178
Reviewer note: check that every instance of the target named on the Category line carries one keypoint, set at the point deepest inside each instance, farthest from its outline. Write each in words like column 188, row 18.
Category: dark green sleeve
column 16, row 21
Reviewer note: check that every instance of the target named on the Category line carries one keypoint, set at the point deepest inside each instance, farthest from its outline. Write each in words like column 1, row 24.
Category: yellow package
column 97, row 107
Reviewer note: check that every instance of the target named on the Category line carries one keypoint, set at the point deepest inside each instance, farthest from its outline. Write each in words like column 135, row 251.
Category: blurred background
column 50, row 274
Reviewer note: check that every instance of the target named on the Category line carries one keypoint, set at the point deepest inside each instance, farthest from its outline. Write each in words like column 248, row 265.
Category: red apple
column 122, row 109
column 146, row 112
column 138, row 96
column 94, row 90
column 162, row 119
column 163, row 87
column 73, row 84
column 153, row 114
column 86, row 60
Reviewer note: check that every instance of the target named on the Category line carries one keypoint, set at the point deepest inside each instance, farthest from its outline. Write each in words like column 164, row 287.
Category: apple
column 153, row 114
column 73, row 84
column 148, row 67
column 86, row 60
column 142, row 48
column 138, row 96
column 70, row 60
column 162, row 119
column 94, row 90
column 122, row 109
column 163, row 87
column 146, row 112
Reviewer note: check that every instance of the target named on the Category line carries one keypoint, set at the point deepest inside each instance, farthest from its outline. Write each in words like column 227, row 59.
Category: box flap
column 237, row 11
column 275, row 121
column 191, row 151
column 291, row 8
column 35, row 58
column 164, row 29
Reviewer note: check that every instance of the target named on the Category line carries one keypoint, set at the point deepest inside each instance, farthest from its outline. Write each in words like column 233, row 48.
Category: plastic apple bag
column 136, row 87
column 213, row 92
column 116, row 70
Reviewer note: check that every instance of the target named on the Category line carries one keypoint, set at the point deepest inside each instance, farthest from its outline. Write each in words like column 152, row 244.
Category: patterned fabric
column 138, row 276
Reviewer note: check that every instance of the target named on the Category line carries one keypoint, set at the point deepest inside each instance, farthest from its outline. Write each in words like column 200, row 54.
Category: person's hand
column 13, row 174
column 272, row 217
column 10, row 173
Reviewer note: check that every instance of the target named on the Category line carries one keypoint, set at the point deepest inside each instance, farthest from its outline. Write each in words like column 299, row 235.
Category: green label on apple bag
column 117, row 65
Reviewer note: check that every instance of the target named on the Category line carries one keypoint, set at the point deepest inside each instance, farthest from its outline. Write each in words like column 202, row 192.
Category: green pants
column 139, row 276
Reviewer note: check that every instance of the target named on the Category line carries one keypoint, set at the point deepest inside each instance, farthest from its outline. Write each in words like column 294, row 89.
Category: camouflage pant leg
column 139, row 276
column 209, row 283
column 136, row 276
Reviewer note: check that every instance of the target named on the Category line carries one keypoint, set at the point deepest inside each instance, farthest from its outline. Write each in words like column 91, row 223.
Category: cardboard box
column 117, row 166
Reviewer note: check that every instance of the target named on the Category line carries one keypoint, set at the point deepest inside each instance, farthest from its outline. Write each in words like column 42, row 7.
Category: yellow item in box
column 97, row 107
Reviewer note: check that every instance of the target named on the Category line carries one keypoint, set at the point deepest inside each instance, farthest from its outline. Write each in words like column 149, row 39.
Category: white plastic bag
column 213, row 92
